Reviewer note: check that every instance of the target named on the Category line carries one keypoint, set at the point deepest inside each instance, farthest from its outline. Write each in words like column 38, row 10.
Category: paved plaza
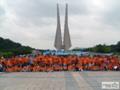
column 56, row 80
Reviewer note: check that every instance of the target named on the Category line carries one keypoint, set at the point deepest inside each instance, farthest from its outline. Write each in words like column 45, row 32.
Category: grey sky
column 33, row 22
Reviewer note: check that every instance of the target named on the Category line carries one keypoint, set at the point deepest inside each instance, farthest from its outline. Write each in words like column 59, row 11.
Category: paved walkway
column 56, row 80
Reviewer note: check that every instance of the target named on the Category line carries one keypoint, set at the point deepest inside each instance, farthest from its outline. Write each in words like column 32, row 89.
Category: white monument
column 66, row 43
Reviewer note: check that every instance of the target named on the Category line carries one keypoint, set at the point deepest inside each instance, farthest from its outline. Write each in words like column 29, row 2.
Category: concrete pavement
column 56, row 80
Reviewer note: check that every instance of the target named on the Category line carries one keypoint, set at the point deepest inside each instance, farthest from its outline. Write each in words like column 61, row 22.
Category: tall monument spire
column 67, row 40
column 58, row 37
column 66, row 44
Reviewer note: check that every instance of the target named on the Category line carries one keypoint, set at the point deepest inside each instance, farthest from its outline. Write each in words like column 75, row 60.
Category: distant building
column 36, row 52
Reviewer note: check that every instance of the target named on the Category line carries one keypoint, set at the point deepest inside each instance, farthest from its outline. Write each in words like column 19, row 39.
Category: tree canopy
column 10, row 48
column 103, row 48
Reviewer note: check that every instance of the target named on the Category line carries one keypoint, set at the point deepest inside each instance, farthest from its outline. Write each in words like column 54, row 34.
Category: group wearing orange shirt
column 47, row 63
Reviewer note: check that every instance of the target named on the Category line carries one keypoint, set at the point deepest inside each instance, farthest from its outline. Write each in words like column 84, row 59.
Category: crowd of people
column 41, row 63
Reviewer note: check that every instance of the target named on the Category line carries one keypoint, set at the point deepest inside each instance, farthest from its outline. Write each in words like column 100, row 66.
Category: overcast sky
column 33, row 22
